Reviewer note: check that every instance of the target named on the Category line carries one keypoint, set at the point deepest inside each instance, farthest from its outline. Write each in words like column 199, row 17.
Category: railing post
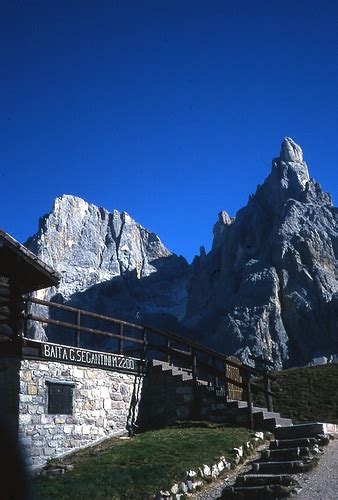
column 194, row 366
column 191, row 353
column 77, row 331
column 226, row 385
column 195, row 389
column 25, row 319
column 121, row 340
column 144, row 350
column 249, row 399
column 216, row 381
column 145, row 344
column 168, row 353
column 267, row 383
column 209, row 372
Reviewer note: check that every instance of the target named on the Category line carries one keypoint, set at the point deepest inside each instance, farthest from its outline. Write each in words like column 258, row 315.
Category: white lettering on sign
column 82, row 356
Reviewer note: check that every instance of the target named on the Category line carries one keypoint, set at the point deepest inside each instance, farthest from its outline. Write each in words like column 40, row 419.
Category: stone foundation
column 105, row 403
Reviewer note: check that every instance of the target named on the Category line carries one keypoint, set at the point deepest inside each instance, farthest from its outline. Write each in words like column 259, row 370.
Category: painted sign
column 86, row 357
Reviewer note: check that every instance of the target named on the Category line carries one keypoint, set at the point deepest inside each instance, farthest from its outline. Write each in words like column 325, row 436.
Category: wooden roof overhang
column 26, row 272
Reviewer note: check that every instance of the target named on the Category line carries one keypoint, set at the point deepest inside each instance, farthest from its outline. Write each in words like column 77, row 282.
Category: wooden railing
column 146, row 342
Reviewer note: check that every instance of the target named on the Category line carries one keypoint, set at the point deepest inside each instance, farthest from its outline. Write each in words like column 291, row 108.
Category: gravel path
column 322, row 483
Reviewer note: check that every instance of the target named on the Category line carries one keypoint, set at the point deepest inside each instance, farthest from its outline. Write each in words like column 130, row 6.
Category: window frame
column 64, row 404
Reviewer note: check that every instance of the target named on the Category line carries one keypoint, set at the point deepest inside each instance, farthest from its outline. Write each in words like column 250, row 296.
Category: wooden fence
column 224, row 373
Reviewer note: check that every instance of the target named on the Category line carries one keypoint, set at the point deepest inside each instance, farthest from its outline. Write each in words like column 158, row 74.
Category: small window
column 60, row 398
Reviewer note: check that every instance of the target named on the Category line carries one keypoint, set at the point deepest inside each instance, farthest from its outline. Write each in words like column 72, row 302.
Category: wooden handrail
column 204, row 349
column 171, row 349
column 162, row 333
column 80, row 328
column 82, row 311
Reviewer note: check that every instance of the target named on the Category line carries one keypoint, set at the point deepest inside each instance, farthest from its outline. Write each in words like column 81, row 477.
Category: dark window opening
column 60, row 398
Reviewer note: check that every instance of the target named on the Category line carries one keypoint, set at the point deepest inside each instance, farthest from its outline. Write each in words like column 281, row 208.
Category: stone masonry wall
column 105, row 403
column 165, row 399
column 169, row 395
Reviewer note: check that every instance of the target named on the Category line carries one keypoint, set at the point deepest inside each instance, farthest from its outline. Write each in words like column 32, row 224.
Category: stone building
column 55, row 398
column 59, row 397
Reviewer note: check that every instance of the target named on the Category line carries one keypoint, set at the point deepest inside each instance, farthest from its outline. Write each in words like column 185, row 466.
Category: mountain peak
column 289, row 169
column 290, row 151
column 89, row 245
column 268, row 285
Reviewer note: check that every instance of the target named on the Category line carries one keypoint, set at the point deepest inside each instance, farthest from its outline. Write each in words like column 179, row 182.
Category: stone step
column 267, row 423
column 241, row 416
column 263, row 419
column 303, row 430
column 179, row 375
column 175, row 372
column 236, row 404
column 255, row 410
column 285, row 467
column 293, row 443
column 241, row 408
column 285, row 454
column 157, row 362
column 165, row 366
column 264, row 479
column 271, row 476
column 275, row 423
column 203, row 382
column 183, row 372
column 270, row 492
column 168, row 368
column 262, row 416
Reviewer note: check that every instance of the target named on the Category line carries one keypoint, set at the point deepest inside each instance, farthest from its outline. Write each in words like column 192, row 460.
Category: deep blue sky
column 170, row 110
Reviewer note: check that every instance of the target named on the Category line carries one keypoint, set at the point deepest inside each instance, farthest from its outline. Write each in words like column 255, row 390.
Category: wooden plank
column 83, row 312
column 82, row 328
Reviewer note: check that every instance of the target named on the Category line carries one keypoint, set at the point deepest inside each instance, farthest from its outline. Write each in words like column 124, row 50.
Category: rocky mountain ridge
column 266, row 288
column 88, row 245
column 109, row 264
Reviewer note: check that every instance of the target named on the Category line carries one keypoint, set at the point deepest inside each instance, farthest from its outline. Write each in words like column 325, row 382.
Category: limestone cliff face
column 108, row 263
column 89, row 245
column 267, row 287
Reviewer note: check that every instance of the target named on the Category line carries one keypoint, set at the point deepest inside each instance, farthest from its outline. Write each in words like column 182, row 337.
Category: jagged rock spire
column 224, row 220
column 291, row 167
column 268, row 285
column 290, row 151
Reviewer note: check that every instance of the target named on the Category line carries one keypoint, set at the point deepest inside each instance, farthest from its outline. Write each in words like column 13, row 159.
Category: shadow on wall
column 14, row 479
column 135, row 404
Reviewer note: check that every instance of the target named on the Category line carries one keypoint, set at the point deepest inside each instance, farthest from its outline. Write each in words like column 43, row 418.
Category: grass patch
column 138, row 468
column 306, row 394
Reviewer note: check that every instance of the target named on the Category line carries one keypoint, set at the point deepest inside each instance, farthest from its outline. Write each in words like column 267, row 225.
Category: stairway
column 169, row 394
column 295, row 450
column 237, row 413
